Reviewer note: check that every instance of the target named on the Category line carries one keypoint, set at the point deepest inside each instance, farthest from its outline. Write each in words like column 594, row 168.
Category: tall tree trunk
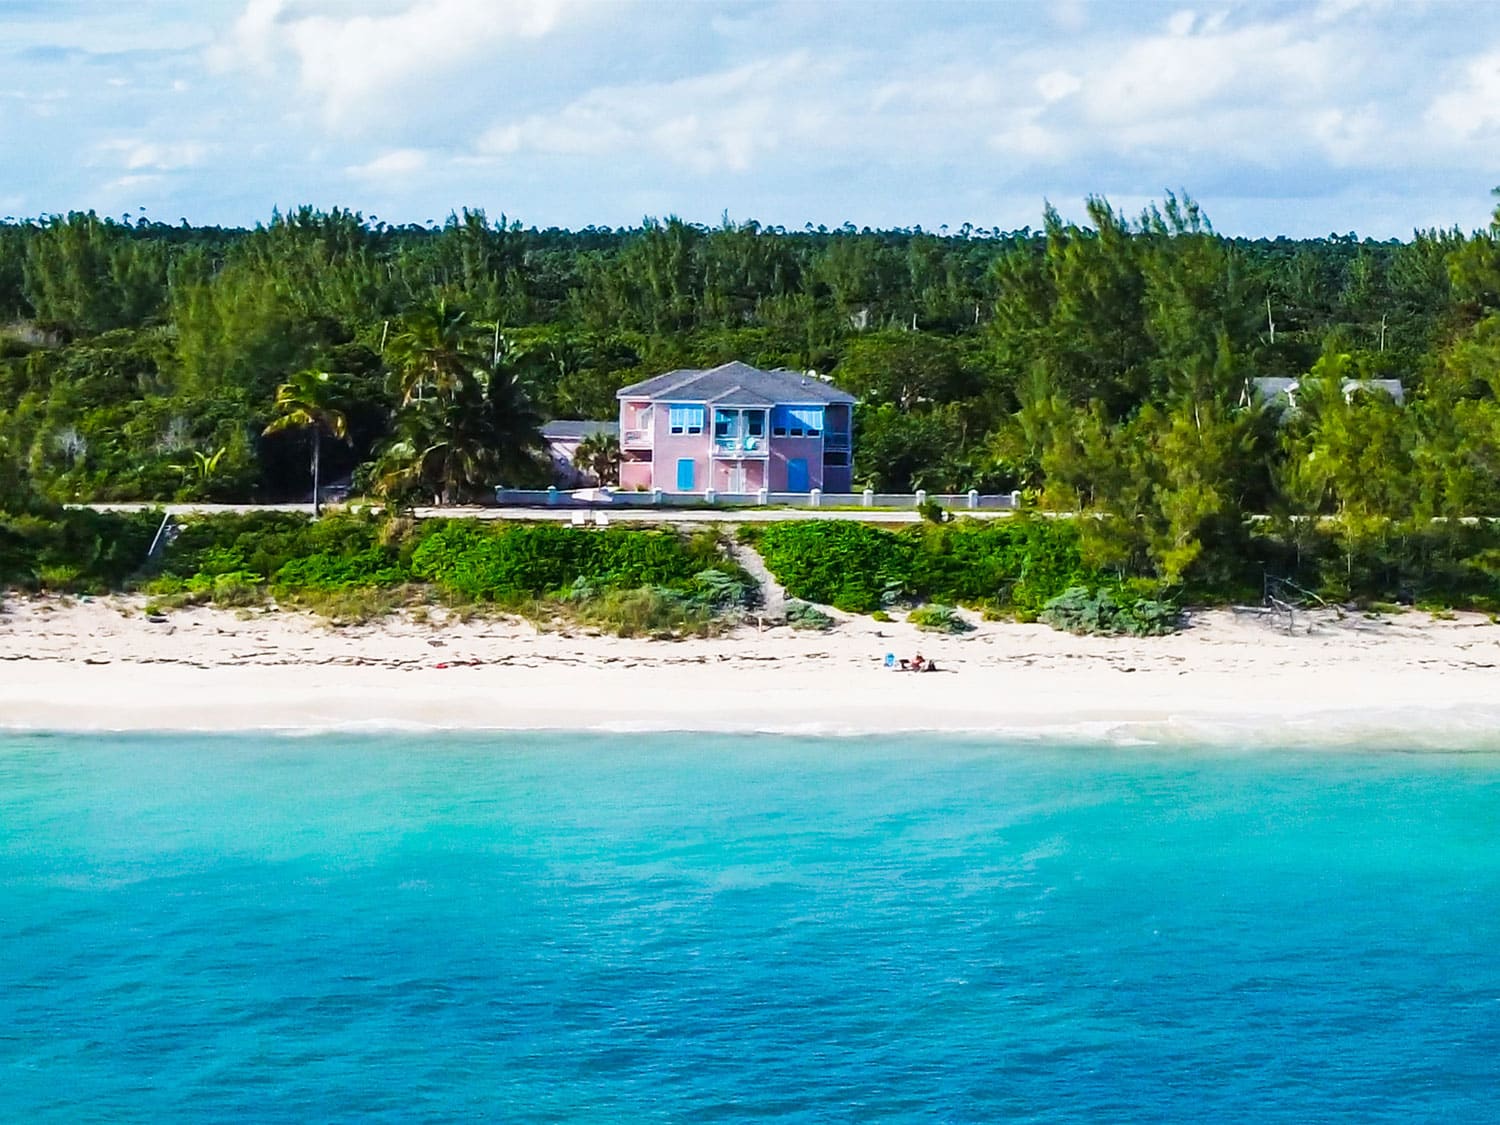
column 317, row 450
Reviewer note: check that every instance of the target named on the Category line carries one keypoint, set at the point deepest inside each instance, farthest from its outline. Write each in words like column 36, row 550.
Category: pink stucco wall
column 635, row 474
column 671, row 448
column 755, row 475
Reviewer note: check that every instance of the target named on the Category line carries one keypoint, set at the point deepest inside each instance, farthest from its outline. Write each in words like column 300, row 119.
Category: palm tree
column 483, row 432
column 433, row 351
column 308, row 401
column 599, row 456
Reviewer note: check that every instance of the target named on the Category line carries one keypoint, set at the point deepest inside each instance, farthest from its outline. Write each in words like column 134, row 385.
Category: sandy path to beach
column 100, row 664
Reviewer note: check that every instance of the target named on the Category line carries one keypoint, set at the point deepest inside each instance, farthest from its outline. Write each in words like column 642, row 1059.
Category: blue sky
column 1377, row 116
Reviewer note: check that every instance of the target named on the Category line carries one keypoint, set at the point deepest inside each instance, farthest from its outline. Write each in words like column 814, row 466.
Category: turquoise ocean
column 598, row 927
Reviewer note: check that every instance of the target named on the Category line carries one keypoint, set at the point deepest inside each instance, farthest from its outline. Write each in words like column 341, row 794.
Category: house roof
column 738, row 384
column 565, row 429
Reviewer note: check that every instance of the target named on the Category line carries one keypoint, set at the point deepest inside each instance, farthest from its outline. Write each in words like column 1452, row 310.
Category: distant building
column 736, row 429
column 563, row 438
column 1282, row 392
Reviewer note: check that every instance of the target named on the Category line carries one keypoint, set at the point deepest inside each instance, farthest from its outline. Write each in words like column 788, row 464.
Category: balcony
column 837, row 442
column 636, row 439
column 741, row 448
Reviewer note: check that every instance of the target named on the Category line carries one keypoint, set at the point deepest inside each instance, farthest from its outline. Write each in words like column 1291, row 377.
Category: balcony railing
column 635, row 439
column 836, row 441
column 741, row 447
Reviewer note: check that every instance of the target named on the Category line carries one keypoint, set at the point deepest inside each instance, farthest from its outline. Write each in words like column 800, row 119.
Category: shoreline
column 76, row 666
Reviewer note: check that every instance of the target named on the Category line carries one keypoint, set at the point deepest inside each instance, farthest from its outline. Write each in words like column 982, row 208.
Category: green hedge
column 1013, row 564
column 76, row 550
column 485, row 561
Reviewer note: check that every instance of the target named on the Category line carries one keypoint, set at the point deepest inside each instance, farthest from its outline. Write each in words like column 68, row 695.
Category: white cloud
column 397, row 164
column 135, row 155
column 1473, row 106
column 1058, row 84
column 726, row 121
column 351, row 64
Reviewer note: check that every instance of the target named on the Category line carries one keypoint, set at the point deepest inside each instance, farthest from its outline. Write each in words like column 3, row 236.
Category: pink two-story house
column 737, row 429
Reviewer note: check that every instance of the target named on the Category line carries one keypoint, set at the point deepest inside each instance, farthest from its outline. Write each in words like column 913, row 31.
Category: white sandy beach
column 74, row 665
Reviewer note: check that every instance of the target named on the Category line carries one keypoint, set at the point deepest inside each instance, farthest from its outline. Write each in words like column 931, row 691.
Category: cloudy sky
column 1376, row 116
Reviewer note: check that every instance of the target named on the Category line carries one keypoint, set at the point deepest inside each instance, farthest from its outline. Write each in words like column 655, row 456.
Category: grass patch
column 357, row 606
column 647, row 611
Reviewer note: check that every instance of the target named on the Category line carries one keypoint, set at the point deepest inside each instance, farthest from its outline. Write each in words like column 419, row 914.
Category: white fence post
column 710, row 496
column 921, row 497
column 815, row 498
column 763, row 497
column 868, row 499
column 1015, row 499
column 656, row 497
column 973, row 497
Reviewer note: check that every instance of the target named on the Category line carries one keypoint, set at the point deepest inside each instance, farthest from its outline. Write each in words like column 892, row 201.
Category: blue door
column 796, row 474
column 685, row 474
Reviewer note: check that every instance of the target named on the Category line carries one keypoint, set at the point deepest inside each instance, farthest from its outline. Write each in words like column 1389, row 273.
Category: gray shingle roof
column 738, row 384
column 565, row 428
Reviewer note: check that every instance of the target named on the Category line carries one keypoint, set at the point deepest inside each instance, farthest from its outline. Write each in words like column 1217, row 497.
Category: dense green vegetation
column 1102, row 367
column 1011, row 565
column 1017, row 567
column 638, row 579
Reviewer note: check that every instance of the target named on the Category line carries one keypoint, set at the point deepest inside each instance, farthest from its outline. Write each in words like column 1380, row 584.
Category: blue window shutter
column 685, row 474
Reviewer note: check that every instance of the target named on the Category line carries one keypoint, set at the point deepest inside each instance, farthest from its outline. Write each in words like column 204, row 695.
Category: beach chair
column 578, row 519
column 601, row 518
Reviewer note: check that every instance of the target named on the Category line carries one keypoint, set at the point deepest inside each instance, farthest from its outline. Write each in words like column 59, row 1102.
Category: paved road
column 614, row 515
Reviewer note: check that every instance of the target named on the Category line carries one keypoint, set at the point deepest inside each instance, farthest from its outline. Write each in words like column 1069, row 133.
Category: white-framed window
column 685, row 419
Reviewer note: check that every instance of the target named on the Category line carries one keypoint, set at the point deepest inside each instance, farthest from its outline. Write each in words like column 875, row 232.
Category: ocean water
column 695, row 928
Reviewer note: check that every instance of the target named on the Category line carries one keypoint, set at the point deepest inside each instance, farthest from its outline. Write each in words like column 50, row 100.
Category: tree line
column 1103, row 365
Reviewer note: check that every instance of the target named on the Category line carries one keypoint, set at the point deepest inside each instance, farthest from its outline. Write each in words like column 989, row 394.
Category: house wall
column 755, row 476
column 784, row 449
column 635, row 474
column 630, row 414
column 669, row 448
column 838, row 478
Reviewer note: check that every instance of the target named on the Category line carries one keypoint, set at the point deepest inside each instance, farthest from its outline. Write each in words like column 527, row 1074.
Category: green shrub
column 1016, row 564
column 938, row 619
column 881, row 616
column 507, row 563
column 1100, row 613
column 74, row 549
column 933, row 512
column 801, row 615
column 722, row 590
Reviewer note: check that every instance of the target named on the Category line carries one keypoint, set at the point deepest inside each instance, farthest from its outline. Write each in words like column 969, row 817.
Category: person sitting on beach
column 918, row 664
